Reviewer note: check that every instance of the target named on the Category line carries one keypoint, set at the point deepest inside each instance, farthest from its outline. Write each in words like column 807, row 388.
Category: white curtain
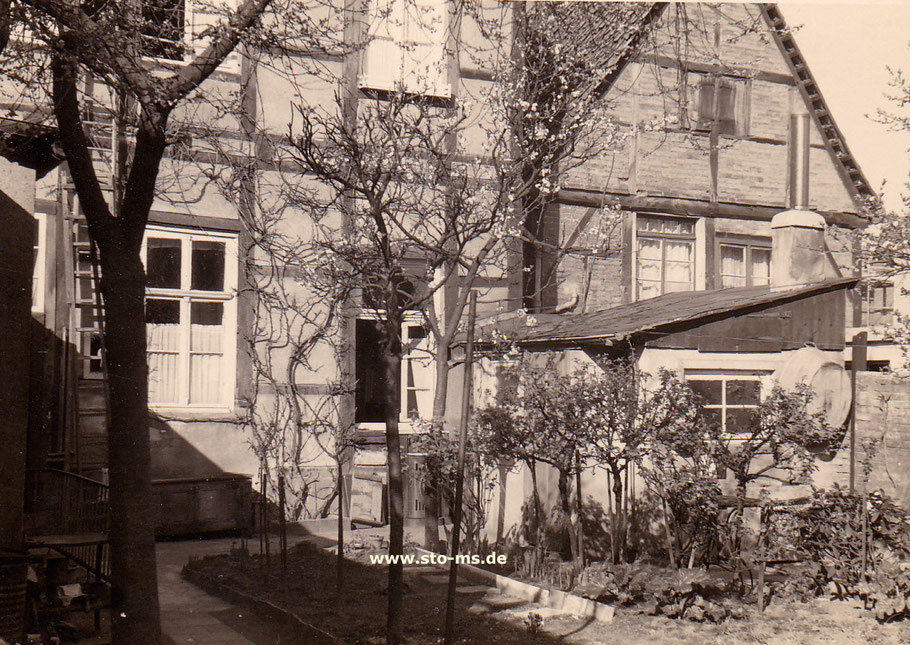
column 732, row 266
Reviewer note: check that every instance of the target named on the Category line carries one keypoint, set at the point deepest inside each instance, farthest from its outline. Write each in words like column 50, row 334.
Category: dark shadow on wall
column 174, row 457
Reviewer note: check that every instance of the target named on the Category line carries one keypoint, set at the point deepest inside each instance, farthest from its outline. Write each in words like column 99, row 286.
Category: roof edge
column 773, row 298
column 851, row 174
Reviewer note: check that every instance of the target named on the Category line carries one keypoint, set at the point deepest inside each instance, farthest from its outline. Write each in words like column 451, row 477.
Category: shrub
column 828, row 530
column 849, row 550
column 692, row 594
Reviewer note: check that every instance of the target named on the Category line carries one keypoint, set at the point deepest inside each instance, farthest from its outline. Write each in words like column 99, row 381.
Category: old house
column 707, row 147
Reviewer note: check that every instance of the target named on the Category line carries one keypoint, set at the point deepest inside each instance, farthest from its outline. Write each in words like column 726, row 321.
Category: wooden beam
column 723, row 70
column 695, row 207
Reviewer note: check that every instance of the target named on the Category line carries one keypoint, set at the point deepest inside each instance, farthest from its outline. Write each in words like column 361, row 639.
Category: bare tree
column 411, row 217
column 57, row 46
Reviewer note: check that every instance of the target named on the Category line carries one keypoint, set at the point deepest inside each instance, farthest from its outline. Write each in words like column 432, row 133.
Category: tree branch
column 75, row 146
column 189, row 77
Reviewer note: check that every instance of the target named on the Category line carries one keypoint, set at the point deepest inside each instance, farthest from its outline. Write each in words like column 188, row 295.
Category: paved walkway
column 190, row 616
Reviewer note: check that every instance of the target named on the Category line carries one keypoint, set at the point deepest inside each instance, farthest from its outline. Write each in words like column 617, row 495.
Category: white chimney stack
column 798, row 235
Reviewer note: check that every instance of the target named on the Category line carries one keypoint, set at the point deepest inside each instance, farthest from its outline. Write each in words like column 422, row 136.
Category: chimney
column 798, row 235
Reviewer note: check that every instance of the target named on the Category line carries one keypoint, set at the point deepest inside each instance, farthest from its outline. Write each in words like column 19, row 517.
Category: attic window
column 721, row 109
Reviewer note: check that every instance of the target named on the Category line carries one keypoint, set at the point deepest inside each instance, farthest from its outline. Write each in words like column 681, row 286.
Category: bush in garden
column 887, row 592
column 441, row 453
column 850, row 548
column 828, row 530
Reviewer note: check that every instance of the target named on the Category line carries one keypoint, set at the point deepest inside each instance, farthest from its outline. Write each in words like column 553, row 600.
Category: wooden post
column 459, row 472
column 857, row 364
column 282, row 534
column 265, row 523
column 339, row 556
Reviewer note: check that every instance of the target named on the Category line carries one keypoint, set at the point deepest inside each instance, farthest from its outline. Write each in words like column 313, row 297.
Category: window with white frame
column 39, row 246
column 743, row 262
column 665, row 260
column 876, row 303
column 371, row 384
column 191, row 317
column 729, row 400
column 406, row 47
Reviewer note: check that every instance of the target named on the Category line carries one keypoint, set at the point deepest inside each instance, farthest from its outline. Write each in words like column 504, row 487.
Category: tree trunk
column 339, row 557
column 501, row 515
column 538, row 511
column 431, row 494
column 579, row 504
column 617, row 516
column 392, row 359
column 667, row 534
column 566, row 511
column 134, row 589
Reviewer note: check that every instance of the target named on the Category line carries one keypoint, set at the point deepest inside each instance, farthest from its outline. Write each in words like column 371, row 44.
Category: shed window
column 729, row 400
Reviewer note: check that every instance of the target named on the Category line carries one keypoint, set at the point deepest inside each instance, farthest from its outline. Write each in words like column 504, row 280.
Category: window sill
column 404, row 427
column 436, row 98
column 195, row 415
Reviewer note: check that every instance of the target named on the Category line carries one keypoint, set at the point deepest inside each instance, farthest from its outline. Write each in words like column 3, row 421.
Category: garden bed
column 359, row 616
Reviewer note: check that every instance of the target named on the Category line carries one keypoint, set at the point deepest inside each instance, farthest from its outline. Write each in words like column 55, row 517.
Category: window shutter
column 726, row 106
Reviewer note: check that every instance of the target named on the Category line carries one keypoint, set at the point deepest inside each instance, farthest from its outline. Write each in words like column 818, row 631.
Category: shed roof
column 616, row 324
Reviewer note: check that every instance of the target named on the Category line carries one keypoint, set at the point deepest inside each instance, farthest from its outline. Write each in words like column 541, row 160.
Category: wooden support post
column 282, row 534
column 459, row 473
column 857, row 364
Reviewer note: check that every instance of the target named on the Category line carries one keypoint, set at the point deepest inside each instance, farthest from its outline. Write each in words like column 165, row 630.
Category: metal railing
column 63, row 503
column 70, row 514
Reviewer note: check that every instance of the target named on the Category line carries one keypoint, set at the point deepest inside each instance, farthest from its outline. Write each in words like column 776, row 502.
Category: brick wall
column 882, row 414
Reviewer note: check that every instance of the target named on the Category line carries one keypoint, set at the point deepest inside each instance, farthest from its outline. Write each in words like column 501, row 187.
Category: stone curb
column 304, row 631
column 552, row 598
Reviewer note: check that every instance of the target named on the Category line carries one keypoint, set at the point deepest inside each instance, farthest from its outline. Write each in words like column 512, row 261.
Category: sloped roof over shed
column 617, row 324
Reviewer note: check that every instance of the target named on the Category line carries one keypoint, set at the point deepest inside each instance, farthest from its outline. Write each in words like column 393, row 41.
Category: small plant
column 843, row 535
column 887, row 593
column 691, row 594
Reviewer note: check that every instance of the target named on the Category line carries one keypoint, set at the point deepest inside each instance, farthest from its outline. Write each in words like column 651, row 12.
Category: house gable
column 660, row 98
column 729, row 179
